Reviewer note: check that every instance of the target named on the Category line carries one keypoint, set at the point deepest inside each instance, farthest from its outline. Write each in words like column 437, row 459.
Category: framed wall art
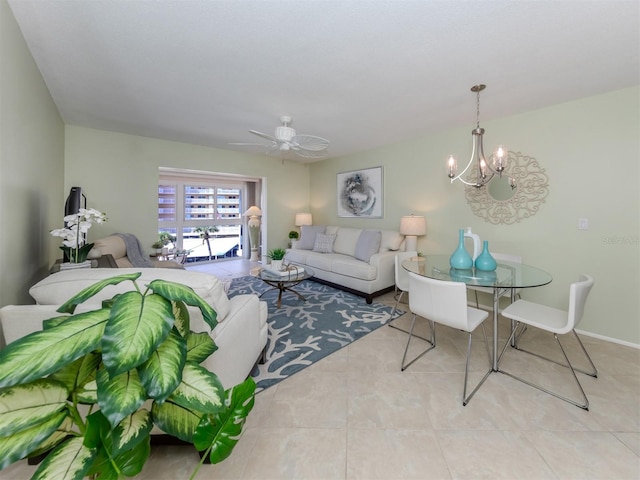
column 360, row 193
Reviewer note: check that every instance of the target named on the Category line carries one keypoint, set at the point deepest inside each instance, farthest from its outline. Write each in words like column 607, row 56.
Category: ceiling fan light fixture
column 285, row 133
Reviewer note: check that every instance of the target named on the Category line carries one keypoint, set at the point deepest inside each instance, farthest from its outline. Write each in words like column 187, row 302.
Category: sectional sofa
column 356, row 260
column 241, row 333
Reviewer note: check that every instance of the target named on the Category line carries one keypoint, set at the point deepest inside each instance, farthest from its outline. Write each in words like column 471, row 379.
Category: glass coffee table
column 282, row 281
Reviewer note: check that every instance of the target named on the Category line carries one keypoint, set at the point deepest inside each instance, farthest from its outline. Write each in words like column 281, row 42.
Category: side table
column 105, row 261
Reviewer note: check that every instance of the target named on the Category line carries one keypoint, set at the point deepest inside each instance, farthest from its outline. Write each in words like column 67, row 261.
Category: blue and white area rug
column 301, row 333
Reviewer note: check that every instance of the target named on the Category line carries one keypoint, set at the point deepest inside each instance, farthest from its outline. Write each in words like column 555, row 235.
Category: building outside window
column 204, row 214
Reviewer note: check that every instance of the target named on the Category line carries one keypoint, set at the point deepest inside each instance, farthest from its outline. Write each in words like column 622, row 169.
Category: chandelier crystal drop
column 484, row 171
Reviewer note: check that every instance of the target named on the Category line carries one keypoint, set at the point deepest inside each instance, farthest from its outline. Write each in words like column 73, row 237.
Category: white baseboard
column 608, row 339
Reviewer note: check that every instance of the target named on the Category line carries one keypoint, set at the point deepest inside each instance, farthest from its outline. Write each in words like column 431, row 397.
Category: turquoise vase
column 485, row 262
column 461, row 259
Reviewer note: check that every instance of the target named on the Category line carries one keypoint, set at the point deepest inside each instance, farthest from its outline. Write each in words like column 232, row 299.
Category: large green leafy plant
column 77, row 388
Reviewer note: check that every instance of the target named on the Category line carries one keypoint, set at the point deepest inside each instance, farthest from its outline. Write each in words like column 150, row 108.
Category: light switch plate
column 583, row 224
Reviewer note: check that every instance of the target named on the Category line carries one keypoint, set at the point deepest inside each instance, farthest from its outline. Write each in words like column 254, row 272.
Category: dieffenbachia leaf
column 178, row 292
column 199, row 390
column 199, row 347
column 61, row 433
column 121, row 451
column 23, row 406
column 222, row 431
column 69, row 461
column 175, row 420
column 131, row 431
column 44, row 352
column 162, row 372
column 138, row 324
column 181, row 315
column 119, row 396
column 70, row 305
column 78, row 372
column 18, row 445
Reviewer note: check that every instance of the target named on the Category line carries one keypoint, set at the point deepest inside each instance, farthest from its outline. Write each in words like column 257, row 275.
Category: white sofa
column 360, row 261
column 241, row 333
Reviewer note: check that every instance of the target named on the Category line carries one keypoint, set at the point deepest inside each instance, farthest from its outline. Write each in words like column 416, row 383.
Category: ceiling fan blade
column 310, row 153
column 310, row 142
column 250, row 144
column 264, row 135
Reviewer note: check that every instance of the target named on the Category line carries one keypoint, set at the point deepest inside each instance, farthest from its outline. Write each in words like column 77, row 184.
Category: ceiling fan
column 286, row 140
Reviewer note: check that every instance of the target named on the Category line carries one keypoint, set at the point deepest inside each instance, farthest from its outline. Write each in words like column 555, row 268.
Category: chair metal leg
column 402, row 329
column 398, row 298
column 465, row 399
column 593, row 373
column 431, row 342
column 584, row 405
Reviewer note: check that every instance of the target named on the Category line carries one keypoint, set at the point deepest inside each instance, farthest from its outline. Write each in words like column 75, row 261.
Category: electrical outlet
column 583, row 224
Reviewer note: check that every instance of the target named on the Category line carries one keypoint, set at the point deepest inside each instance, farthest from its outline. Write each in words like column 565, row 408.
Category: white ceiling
column 359, row 73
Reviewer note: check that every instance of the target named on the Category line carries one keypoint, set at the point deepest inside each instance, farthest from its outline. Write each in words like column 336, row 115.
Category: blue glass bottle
column 461, row 259
column 485, row 261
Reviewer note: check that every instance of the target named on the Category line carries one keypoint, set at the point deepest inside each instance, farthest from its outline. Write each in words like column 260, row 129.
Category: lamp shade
column 253, row 212
column 413, row 225
column 303, row 219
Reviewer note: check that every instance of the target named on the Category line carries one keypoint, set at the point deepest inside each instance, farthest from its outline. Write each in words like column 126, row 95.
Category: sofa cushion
column 320, row 261
column 308, row 236
column 114, row 245
column 368, row 243
column 297, row 256
column 324, row 243
column 350, row 267
column 60, row 287
column 390, row 240
column 346, row 240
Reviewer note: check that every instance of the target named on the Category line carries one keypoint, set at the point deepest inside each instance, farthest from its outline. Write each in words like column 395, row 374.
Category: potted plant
column 74, row 234
column 276, row 255
column 158, row 247
column 137, row 347
column 293, row 236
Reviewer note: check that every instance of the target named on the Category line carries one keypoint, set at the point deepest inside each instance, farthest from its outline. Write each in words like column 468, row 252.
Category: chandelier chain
column 478, row 108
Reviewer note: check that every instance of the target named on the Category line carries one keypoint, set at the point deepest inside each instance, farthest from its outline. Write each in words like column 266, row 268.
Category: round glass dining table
column 508, row 276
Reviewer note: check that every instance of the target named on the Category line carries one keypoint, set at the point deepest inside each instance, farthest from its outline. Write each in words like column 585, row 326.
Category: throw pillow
column 308, row 236
column 368, row 244
column 324, row 243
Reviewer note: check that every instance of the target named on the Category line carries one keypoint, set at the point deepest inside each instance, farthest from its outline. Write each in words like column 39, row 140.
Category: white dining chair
column 506, row 257
column 445, row 302
column 402, row 285
column 558, row 322
column 401, row 276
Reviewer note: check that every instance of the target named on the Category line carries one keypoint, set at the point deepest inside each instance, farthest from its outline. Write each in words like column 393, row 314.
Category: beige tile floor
column 355, row 415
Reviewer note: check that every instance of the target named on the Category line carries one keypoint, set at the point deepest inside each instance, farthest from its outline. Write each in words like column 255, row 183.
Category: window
column 203, row 212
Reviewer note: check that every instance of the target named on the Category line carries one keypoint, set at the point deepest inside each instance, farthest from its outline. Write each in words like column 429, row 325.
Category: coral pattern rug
column 301, row 333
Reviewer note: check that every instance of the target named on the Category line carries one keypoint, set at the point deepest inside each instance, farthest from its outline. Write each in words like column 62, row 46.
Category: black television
column 75, row 201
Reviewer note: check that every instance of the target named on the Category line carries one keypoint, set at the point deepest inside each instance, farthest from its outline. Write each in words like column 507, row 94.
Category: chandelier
column 484, row 171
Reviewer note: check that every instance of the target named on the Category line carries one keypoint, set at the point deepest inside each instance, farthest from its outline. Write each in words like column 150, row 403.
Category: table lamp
column 303, row 219
column 412, row 226
column 254, row 230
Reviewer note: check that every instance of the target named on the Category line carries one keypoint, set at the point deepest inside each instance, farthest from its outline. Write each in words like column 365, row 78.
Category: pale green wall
column 119, row 174
column 590, row 150
column 31, row 167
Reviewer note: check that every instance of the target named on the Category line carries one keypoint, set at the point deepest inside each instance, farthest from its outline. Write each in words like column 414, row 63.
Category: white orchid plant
column 74, row 234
